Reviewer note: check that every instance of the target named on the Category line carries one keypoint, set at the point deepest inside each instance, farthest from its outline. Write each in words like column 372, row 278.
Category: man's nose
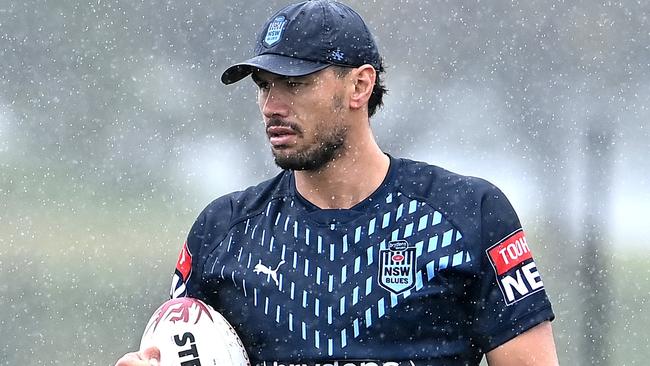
column 274, row 104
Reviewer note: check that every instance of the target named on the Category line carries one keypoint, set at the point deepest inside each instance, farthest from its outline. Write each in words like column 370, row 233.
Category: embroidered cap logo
column 274, row 32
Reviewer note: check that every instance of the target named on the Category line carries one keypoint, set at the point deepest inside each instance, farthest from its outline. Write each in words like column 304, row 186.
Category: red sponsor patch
column 184, row 264
column 509, row 252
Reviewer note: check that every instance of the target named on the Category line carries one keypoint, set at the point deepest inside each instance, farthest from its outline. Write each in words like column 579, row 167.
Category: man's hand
column 147, row 357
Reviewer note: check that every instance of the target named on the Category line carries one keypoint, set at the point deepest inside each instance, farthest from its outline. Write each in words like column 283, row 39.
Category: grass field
column 80, row 279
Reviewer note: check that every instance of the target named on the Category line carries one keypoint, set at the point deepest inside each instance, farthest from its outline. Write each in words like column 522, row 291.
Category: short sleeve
column 209, row 227
column 511, row 298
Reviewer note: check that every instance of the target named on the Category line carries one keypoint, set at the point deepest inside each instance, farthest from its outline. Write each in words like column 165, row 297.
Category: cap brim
column 276, row 64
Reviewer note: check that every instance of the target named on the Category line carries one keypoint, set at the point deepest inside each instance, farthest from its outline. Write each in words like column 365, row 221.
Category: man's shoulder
column 252, row 199
column 425, row 180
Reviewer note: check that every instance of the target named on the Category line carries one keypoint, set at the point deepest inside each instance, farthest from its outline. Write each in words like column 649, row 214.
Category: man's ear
column 364, row 81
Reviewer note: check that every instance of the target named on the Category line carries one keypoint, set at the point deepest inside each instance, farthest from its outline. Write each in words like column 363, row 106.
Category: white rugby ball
column 189, row 332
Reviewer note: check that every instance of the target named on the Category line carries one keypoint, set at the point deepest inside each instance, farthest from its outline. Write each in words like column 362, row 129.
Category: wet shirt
column 432, row 269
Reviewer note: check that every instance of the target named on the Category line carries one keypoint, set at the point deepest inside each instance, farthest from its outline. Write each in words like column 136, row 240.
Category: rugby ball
column 189, row 332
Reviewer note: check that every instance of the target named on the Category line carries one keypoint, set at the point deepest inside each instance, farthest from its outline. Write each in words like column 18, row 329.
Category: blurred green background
column 115, row 132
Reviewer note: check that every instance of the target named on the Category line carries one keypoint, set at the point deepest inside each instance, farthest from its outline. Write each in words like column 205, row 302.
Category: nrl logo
column 397, row 266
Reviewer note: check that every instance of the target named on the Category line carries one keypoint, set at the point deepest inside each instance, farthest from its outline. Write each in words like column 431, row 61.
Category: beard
column 327, row 146
column 329, row 143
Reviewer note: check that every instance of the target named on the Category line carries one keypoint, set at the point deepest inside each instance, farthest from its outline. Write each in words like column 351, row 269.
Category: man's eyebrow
column 272, row 78
column 278, row 78
column 256, row 78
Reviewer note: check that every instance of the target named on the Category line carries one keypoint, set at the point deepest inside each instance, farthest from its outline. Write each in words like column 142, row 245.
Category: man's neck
column 347, row 180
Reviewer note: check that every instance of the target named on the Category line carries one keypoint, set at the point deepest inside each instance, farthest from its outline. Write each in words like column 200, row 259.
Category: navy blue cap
column 307, row 37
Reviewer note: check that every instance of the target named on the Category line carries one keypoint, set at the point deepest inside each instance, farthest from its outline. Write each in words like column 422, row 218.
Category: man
column 349, row 254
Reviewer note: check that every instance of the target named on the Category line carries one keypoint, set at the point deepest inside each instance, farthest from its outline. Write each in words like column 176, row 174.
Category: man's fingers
column 147, row 357
column 152, row 354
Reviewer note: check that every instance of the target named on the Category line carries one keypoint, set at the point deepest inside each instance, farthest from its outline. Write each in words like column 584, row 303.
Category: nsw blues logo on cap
column 274, row 32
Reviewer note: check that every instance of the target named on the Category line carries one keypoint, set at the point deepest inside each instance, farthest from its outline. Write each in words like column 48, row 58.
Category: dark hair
column 378, row 91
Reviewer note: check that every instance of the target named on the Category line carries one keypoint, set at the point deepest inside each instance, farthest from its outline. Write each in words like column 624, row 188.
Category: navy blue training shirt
column 432, row 269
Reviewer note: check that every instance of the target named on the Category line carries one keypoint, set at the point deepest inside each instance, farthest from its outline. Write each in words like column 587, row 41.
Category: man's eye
column 263, row 85
column 293, row 84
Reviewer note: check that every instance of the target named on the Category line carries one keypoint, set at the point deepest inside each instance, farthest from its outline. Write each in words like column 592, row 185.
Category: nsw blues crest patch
column 274, row 31
column 397, row 266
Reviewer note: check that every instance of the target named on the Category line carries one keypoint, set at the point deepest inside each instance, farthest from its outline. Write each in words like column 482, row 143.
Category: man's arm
column 534, row 347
